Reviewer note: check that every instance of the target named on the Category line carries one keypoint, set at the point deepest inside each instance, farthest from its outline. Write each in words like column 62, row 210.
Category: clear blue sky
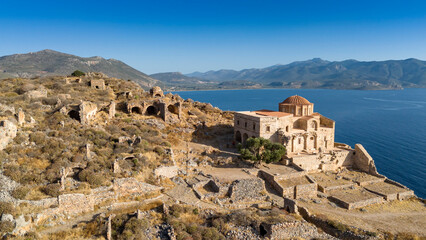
column 199, row 35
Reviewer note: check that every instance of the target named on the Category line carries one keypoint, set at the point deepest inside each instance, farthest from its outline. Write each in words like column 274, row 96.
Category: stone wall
column 247, row 190
column 363, row 161
column 75, row 203
column 7, row 133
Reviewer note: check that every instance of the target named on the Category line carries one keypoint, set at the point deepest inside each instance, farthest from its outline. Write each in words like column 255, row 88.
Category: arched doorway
column 157, row 95
column 74, row 115
column 136, row 110
column 151, row 110
column 238, row 136
column 173, row 109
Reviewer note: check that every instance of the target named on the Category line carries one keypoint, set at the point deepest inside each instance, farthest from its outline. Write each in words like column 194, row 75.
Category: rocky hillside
column 318, row 73
column 49, row 63
column 96, row 157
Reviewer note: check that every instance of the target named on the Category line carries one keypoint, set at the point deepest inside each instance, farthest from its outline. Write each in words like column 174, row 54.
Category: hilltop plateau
column 97, row 157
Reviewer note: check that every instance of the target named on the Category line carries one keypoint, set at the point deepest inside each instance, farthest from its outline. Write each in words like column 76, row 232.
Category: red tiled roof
column 296, row 100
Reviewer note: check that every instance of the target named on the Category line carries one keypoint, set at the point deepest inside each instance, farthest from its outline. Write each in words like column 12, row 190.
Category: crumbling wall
column 111, row 109
column 363, row 161
column 290, row 205
column 88, row 112
column 270, row 179
column 75, row 203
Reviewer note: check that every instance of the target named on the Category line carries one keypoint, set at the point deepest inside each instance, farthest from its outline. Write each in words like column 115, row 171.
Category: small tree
column 78, row 73
column 262, row 150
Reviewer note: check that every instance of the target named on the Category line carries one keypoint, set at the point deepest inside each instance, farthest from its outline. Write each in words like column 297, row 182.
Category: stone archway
column 136, row 110
column 151, row 110
column 238, row 136
column 74, row 114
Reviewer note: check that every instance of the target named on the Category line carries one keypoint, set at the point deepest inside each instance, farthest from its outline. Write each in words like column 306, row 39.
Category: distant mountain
column 173, row 80
column 49, row 62
column 318, row 73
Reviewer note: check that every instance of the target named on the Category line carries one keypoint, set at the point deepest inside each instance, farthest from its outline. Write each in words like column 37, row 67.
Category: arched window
column 286, row 128
column 314, row 125
column 268, row 128
column 238, row 136
column 254, row 126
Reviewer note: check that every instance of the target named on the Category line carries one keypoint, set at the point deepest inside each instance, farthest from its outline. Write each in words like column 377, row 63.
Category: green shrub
column 195, row 211
column 78, row 73
column 262, row 150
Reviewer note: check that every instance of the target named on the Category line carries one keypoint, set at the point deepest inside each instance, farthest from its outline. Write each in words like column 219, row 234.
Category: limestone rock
column 7, row 217
column 38, row 93
column 6, row 109
column 167, row 172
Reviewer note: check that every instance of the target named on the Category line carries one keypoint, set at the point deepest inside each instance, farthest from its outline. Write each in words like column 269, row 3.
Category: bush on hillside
column 78, row 73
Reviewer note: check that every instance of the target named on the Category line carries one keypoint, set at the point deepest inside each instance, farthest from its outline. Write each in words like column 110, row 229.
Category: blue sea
column 391, row 125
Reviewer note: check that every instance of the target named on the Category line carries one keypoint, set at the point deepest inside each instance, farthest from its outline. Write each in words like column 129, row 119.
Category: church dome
column 297, row 100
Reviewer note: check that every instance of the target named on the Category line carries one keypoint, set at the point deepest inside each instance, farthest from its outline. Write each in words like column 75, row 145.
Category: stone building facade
column 295, row 125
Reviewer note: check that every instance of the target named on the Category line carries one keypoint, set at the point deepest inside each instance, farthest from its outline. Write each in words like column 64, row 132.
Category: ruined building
column 295, row 125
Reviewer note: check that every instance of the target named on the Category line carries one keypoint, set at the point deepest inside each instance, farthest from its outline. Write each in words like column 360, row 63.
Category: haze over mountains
column 49, row 62
column 314, row 73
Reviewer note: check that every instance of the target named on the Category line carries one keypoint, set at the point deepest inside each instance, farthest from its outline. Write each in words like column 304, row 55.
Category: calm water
column 391, row 125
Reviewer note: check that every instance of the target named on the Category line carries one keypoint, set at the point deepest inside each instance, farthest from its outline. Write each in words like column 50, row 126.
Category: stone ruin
column 98, row 84
column 166, row 108
column 21, row 117
column 85, row 112
column 37, row 93
column 111, row 109
column 156, row 92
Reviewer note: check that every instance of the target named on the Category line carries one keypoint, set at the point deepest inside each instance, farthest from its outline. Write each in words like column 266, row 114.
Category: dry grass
column 409, row 205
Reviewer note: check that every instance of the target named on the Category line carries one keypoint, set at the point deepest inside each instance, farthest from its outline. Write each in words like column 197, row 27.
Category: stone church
column 295, row 125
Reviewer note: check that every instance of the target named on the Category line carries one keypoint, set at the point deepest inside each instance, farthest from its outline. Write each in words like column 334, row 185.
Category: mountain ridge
column 50, row 62
column 319, row 73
